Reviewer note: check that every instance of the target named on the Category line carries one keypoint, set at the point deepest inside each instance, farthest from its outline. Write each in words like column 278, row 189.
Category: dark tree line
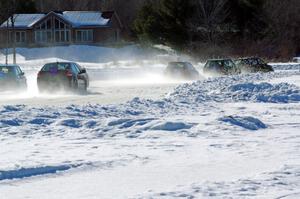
column 8, row 7
column 268, row 28
column 210, row 27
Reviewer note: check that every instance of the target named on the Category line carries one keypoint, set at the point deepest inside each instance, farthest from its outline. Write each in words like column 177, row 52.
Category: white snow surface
column 226, row 137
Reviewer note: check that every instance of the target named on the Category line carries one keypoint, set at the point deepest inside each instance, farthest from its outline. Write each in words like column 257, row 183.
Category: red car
column 62, row 76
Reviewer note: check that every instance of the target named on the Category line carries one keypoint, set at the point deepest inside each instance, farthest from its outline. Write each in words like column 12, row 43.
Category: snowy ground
column 146, row 137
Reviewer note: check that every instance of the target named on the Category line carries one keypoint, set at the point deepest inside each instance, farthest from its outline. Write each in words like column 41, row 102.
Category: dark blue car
column 12, row 78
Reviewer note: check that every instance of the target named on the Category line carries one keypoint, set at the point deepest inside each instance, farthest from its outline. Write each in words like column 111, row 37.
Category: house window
column 52, row 30
column 62, row 32
column 43, row 33
column 84, row 35
column 42, row 36
column 62, row 36
column 20, row 36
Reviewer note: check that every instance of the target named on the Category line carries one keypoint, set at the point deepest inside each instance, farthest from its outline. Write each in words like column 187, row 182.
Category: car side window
column 206, row 65
column 260, row 61
column 189, row 66
column 18, row 70
column 14, row 71
column 45, row 68
column 75, row 68
column 79, row 67
column 62, row 66
column 49, row 67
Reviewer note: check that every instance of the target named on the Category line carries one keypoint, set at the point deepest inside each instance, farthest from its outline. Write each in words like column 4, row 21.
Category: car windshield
column 188, row 66
column 215, row 64
column 222, row 64
column 260, row 61
column 254, row 61
column 56, row 67
column 177, row 65
column 7, row 71
column 228, row 64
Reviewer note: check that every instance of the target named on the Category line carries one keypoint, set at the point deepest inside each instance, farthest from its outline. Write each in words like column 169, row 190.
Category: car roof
column 9, row 65
column 61, row 63
column 219, row 59
column 245, row 58
column 179, row 62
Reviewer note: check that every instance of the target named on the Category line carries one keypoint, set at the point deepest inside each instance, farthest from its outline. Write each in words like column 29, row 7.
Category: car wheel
column 25, row 87
column 75, row 84
column 85, row 86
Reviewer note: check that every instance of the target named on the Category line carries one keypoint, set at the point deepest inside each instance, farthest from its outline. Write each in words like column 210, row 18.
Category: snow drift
column 249, row 123
column 235, row 89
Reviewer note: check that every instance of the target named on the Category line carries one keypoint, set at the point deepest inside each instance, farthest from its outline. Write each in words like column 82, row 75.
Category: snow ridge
column 138, row 113
column 273, row 182
column 249, row 123
column 29, row 172
column 237, row 88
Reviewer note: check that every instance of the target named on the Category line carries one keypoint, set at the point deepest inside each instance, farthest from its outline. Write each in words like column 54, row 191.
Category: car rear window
column 215, row 64
column 7, row 70
column 56, row 67
column 228, row 63
column 221, row 64
column 188, row 66
column 176, row 65
column 254, row 61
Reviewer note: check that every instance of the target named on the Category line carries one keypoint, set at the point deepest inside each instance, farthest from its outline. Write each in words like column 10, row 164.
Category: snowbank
column 267, row 185
column 141, row 114
column 265, row 92
column 286, row 66
column 249, row 123
column 235, row 89
column 29, row 172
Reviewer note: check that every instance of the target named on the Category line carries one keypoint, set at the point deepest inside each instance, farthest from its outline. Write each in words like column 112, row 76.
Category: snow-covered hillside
column 226, row 137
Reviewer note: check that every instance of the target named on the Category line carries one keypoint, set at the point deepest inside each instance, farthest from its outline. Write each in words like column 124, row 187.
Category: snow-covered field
column 138, row 135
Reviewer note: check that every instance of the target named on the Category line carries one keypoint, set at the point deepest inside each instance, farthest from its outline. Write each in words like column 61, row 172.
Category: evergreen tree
column 25, row 6
column 248, row 15
column 174, row 15
column 164, row 22
column 147, row 26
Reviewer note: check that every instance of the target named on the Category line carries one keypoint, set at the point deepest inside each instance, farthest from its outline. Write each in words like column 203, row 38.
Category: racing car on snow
column 181, row 70
column 12, row 78
column 253, row 65
column 219, row 67
column 66, row 76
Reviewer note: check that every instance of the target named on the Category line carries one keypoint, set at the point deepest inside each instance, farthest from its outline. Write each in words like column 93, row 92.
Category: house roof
column 82, row 18
column 75, row 18
column 24, row 20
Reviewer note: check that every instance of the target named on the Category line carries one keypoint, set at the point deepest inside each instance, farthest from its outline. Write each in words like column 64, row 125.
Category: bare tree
column 50, row 5
column 8, row 9
column 210, row 15
column 283, row 31
column 127, row 10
